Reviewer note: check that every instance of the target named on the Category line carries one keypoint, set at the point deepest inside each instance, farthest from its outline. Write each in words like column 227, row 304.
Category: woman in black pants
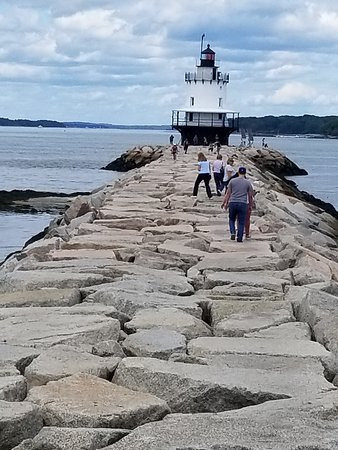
column 204, row 173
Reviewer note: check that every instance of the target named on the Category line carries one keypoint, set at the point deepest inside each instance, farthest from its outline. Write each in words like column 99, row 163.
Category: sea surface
column 69, row 160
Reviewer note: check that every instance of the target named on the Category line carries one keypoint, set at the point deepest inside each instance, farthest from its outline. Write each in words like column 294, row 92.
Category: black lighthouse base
column 203, row 135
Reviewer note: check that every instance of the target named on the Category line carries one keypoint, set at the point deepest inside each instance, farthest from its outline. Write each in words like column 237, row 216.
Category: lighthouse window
column 220, row 101
column 191, row 117
column 192, row 101
column 220, row 116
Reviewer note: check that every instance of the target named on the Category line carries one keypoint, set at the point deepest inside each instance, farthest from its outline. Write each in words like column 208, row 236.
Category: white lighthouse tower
column 204, row 114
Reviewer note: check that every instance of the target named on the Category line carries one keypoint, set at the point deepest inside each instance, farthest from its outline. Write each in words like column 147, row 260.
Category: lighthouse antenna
column 202, row 38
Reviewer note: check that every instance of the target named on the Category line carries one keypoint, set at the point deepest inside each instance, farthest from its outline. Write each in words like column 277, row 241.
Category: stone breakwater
column 136, row 323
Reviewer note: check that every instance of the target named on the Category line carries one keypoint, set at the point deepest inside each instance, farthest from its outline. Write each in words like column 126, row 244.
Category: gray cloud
column 124, row 62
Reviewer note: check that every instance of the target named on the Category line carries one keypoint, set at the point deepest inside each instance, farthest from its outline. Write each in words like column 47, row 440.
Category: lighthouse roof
column 208, row 51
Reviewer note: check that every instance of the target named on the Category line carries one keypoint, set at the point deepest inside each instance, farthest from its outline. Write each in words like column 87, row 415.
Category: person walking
column 248, row 216
column 218, row 170
column 195, row 140
column 185, row 145
column 171, row 139
column 204, row 173
column 217, row 144
column 238, row 197
column 174, row 151
column 229, row 172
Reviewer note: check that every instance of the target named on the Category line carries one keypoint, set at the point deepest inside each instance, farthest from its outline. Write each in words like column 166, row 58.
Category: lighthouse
column 204, row 117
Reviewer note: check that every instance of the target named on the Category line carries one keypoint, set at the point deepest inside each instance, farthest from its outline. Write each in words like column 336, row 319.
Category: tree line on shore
column 280, row 125
column 267, row 125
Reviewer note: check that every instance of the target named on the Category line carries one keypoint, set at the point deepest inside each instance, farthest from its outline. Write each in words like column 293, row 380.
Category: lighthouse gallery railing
column 202, row 119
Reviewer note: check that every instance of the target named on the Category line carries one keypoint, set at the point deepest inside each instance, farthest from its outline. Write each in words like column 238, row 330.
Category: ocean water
column 319, row 157
column 69, row 160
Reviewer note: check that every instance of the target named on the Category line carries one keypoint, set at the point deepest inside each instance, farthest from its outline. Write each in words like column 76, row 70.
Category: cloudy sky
column 123, row 62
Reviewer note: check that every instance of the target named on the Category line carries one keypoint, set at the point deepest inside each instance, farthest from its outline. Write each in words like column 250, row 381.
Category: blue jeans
column 237, row 211
column 218, row 177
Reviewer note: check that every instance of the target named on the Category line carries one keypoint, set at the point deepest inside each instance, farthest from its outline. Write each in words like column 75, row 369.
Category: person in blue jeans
column 238, row 197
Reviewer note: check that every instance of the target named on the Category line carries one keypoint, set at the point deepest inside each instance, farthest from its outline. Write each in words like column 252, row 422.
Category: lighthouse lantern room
column 204, row 117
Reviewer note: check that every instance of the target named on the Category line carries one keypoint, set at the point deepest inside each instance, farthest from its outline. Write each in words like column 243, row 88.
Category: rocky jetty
column 135, row 158
column 136, row 323
column 273, row 161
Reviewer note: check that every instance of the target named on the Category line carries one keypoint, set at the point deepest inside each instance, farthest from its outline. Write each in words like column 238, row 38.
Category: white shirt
column 204, row 167
column 216, row 167
column 227, row 169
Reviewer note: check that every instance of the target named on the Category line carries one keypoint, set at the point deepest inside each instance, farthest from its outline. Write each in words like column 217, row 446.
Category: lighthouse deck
column 196, row 126
column 193, row 118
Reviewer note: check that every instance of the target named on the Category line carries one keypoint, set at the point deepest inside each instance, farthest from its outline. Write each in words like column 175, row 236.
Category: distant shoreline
column 320, row 127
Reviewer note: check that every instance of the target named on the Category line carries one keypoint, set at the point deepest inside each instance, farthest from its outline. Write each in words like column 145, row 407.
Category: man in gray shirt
column 238, row 197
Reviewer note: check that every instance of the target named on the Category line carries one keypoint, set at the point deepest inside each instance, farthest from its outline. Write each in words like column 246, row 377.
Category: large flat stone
column 101, row 266
column 18, row 421
column 43, row 327
column 192, row 388
column 98, row 241
column 239, row 263
column 156, row 343
column 180, row 249
column 55, row 438
column 291, row 330
column 13, row 388
column 284, row 424
column 125, row 223
column 128, row 301
column 116, row 233
column 235, row 318
column 84, row 400
column 243, row 292
column 163, row 261
column 59, row 255
column 205, row 346
column 173, row 284
column 170, row 318
column 41, row 297
column 259, row 279
column 121, row 268
column 164, row 229
column 15, row 357
column 31, row 280
column 61, row 361
column 274, row 363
